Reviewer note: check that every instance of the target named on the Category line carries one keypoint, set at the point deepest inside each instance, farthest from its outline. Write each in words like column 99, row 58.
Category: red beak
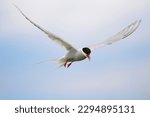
column 88, row 56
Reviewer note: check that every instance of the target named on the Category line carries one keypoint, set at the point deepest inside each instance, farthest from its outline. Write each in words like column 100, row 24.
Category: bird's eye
column 86, row 50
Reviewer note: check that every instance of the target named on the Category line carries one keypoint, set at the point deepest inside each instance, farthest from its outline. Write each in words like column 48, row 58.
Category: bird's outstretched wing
column 55, row 38
column 120, row 35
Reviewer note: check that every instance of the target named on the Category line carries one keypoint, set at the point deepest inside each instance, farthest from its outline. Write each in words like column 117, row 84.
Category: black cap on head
column 86, row 50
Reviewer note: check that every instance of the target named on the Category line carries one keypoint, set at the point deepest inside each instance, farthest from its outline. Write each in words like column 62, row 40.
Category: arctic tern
column 74, row 54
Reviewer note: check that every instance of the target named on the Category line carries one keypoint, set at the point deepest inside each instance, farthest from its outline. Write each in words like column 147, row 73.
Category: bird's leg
column 65, row 64
column 69, row 64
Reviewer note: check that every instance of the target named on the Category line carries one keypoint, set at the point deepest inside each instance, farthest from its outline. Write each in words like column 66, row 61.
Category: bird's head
column 87, row 52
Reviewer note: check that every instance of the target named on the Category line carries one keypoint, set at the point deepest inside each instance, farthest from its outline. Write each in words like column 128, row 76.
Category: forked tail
column 60, row 61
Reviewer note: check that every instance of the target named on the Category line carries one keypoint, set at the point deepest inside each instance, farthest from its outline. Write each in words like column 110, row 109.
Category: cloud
column 70, row 19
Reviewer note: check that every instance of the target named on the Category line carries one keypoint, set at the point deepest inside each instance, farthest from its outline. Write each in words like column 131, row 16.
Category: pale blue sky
column 119, row 71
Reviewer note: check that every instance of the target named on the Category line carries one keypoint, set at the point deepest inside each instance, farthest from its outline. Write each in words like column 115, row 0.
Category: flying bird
column 74, row 54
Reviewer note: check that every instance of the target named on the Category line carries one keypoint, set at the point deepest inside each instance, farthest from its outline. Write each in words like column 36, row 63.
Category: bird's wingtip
column 140, row 20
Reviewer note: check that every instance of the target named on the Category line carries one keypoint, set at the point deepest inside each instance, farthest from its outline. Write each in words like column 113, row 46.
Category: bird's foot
column 67, row 65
